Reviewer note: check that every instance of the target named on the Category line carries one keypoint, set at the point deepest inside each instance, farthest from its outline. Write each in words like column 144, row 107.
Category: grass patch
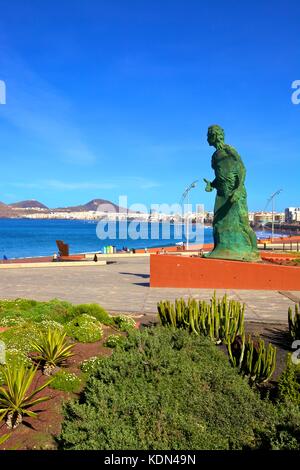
column 89, row 366
column 20, row 337
column 124, row 323
column 94, row 310
column 85, row 329
column 66, row 382
column 114, row 340
column 33, row 311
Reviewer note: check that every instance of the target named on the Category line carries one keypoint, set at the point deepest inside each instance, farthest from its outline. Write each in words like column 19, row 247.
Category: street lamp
column 271, row 198
column 186, row 195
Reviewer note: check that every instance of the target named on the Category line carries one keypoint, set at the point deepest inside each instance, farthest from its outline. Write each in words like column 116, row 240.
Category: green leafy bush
column 16, row 305
column 289, row 383
column 12, row 321
column 31, row 310
column 221, row 319
column 166, row 389
column 284, row 432
column 20, row 337
column 124, row 322
column 94, row 310
column 114, row 340
column 66, row 381
column 45, row 325
column 85, row 329
column 88, row 366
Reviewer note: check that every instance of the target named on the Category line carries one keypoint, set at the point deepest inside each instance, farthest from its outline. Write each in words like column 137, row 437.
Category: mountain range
column 19, row 209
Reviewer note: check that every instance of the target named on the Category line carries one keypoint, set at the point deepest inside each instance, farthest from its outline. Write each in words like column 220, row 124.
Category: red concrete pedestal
column 194, row 272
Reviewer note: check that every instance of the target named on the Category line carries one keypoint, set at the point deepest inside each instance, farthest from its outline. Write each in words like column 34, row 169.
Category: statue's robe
column 233, row 236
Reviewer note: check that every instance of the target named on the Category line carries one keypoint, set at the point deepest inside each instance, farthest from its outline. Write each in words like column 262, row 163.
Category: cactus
column 294, row 322
column 236, row 351
column 253, row 358
column 221, row 320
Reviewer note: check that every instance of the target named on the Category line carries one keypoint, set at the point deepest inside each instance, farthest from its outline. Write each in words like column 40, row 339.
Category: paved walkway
column 124, row 287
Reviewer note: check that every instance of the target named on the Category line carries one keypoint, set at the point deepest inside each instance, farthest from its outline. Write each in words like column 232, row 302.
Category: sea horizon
column 26, row 238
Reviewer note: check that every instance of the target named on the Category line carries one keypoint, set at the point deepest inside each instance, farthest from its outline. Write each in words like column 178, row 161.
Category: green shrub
column 85, row 329
column 94, row 310
column 124, row 322
column 66, row 381
column 221, row 319
column 113, row 341
column 166, row 389
column 16, row 305
column 284, row 432
column 20, row 337
column 89, row 366
column 45, row 325
column 12, row 321
column 289, row 383
column 31, row 310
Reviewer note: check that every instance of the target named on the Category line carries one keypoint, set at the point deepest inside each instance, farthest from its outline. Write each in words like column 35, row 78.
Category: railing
column 283, row 246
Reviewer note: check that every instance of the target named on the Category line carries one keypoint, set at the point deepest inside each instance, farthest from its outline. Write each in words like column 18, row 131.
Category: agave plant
column 4, row 438
column 53, row 350
column 15, row 398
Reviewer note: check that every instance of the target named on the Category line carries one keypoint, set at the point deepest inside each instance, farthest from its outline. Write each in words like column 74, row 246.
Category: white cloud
column 64, row 185
column 59, row 185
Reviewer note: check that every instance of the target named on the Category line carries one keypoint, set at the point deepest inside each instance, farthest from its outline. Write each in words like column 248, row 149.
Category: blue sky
column 114, row 97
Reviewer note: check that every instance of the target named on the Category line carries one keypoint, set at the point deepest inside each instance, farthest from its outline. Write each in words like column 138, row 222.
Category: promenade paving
column 123, row 286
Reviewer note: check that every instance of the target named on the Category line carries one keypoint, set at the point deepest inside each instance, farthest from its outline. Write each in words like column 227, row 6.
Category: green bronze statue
column 233, row 237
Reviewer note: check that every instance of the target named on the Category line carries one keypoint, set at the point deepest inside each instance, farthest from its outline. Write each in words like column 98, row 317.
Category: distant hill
column 93, row 205
column 28, row 204
column 5, row 210
column 31, row 206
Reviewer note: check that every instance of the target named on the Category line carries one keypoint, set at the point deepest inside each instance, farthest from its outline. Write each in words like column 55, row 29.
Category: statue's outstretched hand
column 208, row 185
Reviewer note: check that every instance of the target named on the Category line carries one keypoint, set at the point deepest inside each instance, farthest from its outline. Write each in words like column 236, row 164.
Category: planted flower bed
column 195, row 382
column 45, row 344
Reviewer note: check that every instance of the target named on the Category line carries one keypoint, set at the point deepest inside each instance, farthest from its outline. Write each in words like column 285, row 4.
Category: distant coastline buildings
column 32, row 209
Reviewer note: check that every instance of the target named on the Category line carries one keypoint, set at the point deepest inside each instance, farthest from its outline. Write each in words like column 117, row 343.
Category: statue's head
column 215, row 136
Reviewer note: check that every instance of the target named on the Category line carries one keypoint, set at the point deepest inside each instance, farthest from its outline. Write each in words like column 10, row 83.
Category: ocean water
column 28, row 237
column 32, row 237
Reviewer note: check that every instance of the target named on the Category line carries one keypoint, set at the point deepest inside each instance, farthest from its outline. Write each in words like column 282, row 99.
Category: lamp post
column 271, row 198
column 186, row 195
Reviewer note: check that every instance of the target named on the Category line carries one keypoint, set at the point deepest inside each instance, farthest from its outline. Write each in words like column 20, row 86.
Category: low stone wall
column 196, row 272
